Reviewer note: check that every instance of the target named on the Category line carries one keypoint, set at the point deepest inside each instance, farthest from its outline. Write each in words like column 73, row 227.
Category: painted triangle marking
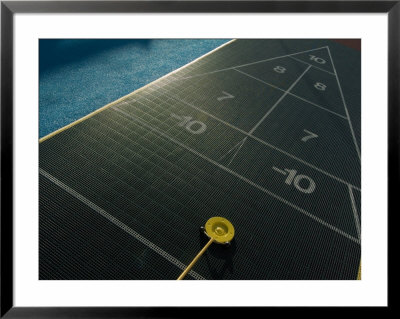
column 318, row 55
column 345, row 107
column 252, row 63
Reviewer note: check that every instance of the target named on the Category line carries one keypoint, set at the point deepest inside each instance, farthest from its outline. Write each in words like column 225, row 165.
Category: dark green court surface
column 263, row 132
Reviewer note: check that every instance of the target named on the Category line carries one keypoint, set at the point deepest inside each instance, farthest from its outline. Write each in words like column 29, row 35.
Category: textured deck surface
column 263, row 132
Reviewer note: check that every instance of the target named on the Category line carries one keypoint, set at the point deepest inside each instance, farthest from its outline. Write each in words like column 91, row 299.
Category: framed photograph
column 165, row 157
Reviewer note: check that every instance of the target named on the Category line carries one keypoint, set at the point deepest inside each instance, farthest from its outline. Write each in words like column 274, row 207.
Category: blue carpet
column 78, row 76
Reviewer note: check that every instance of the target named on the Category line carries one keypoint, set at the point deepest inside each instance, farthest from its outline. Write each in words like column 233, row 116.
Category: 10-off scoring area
column 278, row 140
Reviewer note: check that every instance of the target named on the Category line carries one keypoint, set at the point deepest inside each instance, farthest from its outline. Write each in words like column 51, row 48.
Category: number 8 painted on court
column 188, row 123
column 279, row 69
column 320, row 86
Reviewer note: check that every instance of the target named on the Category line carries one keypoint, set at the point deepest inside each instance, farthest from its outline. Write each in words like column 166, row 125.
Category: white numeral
column 320, row 86
column 309, row 136
column 317, row 59
column 225, row 95
column 297, row 180
column 193, row 126
column 279, row 69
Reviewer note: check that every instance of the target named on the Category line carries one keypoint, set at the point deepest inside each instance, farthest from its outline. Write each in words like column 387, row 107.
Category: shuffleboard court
column 265, row 133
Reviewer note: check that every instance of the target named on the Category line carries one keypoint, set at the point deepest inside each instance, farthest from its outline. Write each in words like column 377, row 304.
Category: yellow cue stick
column 190, row 266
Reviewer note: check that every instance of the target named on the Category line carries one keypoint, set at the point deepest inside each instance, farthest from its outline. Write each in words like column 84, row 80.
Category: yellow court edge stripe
column 44, row 138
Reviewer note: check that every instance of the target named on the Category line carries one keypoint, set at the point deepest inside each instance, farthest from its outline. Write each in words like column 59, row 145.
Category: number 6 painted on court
column 188, row 123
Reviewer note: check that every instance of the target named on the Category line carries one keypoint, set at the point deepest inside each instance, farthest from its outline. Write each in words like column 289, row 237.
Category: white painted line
column 314, row 66
column 168, row 75
column 345, row 108
column 199, row 58
column 356, row 219
column 237, row 151
column 277, row 102
column 279, row 170
column 294, row 95
column 244, row 179
column 247, row 64
column 234, row 147
column 119, row 224
column 238, row 146
column 261, row 141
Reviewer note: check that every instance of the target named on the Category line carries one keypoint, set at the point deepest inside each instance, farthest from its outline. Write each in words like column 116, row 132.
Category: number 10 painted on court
column 193, row 126
column 295, row 179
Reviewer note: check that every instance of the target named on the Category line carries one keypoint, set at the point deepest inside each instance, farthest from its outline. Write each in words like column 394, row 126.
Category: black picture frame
column 9, row 8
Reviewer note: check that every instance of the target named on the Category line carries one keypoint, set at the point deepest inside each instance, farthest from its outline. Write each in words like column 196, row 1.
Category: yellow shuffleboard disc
column 220, row 229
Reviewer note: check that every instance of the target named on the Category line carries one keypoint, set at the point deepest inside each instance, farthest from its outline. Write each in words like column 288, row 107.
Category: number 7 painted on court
column 226, row 95
column 310, row 136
